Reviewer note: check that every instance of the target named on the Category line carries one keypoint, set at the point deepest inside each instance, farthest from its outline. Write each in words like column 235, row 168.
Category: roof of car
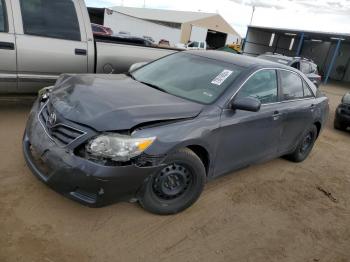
column 287, row 58
column 236, row 59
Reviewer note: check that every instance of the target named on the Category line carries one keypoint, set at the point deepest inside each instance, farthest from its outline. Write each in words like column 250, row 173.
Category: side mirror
column 247, row 104
column 136, row 66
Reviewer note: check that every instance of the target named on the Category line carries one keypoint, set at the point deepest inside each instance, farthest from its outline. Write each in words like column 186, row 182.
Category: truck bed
column 116, row 55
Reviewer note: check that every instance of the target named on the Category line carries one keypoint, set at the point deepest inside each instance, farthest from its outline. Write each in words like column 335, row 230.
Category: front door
column 50, row 42
column 249, row 137
column 8, row 74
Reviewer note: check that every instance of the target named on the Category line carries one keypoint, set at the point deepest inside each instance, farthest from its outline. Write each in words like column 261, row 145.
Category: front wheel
column 177, row 186
column 305, row 146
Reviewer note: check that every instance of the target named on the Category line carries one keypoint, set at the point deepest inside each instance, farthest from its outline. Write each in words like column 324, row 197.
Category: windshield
column 189, row 76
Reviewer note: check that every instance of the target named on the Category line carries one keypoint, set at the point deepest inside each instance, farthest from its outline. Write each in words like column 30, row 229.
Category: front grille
column 59, row 132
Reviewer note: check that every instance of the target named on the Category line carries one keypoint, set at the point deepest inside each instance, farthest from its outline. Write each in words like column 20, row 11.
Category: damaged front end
column 58, row 152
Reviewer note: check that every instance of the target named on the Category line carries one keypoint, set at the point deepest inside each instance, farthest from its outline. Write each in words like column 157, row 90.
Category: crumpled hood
column 116, row 102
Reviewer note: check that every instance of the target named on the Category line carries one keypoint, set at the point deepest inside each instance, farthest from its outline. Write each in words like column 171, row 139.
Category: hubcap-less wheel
column 307, row 142
column 172, row 181
column 176, row 186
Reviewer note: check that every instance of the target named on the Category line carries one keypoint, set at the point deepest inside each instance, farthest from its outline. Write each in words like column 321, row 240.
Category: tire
column 177, row 186
column 305, row 146
column 339, row 126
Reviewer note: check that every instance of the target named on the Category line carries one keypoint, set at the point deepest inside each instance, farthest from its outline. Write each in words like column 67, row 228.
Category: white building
column 174, row 26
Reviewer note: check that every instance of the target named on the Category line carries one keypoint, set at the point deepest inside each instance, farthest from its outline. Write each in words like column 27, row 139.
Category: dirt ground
column 268, row 212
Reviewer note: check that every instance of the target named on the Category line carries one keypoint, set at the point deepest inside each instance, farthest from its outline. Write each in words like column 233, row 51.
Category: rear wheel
column 177, row 186
column 305, row 146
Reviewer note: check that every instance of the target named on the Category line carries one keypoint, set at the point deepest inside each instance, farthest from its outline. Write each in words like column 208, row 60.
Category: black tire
column 338, row 125
column 305, row 146
column 177, row 186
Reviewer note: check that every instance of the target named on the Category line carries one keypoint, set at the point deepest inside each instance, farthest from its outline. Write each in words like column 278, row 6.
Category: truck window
column 56, row 19
column 193, row 44
column 3, row 22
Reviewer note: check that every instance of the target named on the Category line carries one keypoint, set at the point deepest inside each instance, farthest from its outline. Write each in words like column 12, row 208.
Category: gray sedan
column 159, row 133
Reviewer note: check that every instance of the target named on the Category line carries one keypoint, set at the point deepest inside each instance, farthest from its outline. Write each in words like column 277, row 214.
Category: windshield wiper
column 153, row 86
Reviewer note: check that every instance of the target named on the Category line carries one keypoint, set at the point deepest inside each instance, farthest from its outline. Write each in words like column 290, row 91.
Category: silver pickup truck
column 40, row 39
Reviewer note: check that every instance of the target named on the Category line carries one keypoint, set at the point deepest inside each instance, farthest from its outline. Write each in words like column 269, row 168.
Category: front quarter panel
column 201, row 131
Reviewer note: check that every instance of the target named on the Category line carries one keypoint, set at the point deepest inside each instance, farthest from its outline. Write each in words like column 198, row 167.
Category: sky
column 314, row 15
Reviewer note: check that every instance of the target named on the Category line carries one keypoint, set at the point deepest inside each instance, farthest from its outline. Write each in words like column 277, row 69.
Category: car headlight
column 118, row 147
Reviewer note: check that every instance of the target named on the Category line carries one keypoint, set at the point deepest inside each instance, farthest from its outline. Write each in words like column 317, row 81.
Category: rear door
column 297, row 108
column 8, row 74
column 51, row 39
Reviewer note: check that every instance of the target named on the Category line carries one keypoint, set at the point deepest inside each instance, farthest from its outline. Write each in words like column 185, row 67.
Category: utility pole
column 144, row 3
column 251, row 19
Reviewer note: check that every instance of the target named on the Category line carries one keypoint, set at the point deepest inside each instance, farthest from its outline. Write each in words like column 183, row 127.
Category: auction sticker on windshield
column 222, row 77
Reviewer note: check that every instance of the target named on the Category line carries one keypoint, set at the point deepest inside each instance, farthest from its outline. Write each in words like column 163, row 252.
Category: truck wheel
column 177, row 186
column 338, row 125
column 305, row 146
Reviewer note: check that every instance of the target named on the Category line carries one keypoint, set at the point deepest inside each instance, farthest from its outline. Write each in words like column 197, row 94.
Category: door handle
column 7, row 45
column 276, row 115
column 80, row 51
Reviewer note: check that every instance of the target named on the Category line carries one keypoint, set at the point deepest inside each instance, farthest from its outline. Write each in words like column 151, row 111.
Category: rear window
column 56, row 19
column 3, row 22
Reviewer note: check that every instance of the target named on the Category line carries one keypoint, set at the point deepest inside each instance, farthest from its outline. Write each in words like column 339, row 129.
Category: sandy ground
column 268, row 212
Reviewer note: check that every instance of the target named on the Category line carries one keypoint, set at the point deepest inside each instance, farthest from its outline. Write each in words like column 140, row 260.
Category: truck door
column 8, row 74
column 51, row 39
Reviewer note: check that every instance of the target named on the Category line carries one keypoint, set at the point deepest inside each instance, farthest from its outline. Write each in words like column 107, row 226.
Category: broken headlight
column 118, row 147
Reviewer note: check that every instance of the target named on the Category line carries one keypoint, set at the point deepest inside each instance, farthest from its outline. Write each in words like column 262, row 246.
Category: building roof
column 162, row 15
column 325, row 36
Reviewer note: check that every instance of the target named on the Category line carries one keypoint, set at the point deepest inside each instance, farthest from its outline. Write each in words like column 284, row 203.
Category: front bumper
column 77, row 178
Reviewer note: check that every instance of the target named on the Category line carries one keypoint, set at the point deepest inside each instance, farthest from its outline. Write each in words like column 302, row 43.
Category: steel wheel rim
column 172, row 181
column 307, row 142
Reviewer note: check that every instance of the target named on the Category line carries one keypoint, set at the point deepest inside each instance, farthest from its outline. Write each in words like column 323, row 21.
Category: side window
column 56, row 19
column 202, row 44
column 305, row 67
column 3, row 18
column 193, row 44
column 292, row 85
column 307, row 91
column 262, row 85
